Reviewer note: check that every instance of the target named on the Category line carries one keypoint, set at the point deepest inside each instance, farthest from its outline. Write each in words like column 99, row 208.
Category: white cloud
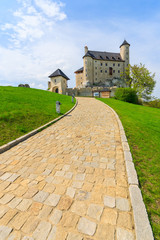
column 51, row 9
column 31, row 23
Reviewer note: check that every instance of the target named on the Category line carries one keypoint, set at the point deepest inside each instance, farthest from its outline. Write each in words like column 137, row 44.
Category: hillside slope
column 25, row 109
column 142, row 127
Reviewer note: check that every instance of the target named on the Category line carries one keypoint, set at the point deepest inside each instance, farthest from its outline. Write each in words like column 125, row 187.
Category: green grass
column 142, row 127
column 24, row 109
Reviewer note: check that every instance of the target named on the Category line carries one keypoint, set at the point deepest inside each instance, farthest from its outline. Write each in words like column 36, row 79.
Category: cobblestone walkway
column 68, row 182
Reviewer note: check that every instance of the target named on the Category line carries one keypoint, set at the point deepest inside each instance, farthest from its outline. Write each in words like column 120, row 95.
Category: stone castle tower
column 58, row 82
column 124, row 52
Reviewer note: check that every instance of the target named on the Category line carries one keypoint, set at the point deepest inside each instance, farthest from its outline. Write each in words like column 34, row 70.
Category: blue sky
column 39, row 36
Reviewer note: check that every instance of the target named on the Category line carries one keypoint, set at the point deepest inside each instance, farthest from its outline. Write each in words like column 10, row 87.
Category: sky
column 39, row 36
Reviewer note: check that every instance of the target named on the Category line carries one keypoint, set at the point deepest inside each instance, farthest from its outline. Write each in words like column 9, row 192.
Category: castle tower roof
column 58, row 72
column 124, row 43
column 79, row 70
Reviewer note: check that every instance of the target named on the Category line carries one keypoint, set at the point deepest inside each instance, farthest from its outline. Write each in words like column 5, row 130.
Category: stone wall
column 97, row 71
column 71, row 91
column 84, row 92
column 79, row 80
column 87, row 92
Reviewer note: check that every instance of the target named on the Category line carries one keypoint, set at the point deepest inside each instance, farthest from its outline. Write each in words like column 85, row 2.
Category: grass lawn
column 142, row 127
column 25, row 109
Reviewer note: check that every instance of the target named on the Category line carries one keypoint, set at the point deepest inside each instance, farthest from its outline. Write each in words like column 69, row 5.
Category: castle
column 100, row 75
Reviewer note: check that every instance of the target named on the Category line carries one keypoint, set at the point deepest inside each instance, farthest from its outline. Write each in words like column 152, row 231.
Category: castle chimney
column 86, row 49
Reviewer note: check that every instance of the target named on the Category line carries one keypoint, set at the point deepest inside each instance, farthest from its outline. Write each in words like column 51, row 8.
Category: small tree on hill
column 139, row 78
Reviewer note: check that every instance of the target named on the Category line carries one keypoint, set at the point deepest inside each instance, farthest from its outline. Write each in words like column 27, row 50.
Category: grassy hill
column 25, row 109
column 142, row 127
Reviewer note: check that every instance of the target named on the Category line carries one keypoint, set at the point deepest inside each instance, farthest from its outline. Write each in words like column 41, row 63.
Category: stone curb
column 30, row 134
column 143, row 228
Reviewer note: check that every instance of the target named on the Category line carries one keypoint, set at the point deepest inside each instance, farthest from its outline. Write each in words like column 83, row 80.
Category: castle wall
column 98, row 72
column 88, row 92
column 112, row 94
column 79, row 79
column 102, row 71
column 85, row 92
column 72, row 91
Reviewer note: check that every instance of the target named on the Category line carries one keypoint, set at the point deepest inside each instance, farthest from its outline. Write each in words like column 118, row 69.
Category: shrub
column 155, row 103
column 126, row 95
column 24, row 85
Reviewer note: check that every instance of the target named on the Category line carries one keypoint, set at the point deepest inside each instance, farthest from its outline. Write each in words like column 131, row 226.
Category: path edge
column 15, row 142
column 143, row 228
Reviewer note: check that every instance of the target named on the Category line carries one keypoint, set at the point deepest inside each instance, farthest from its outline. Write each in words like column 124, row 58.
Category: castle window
column 55, row 80
column 101, row 71
column 113, row 64
column 96, row 73
column 113, row 71
column 105, row 71
column 118, row 71
column 110, row 71
column 95, row 67
column 106, row 64
column 118, row 65
column 101, row 64
column 86, row 75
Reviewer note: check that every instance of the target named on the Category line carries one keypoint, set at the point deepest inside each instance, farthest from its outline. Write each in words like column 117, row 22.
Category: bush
column 126, row 95
column 24, row 85
column 155, row 103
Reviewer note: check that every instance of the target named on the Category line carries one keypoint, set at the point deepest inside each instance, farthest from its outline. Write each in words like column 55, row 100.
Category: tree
column 139, row 78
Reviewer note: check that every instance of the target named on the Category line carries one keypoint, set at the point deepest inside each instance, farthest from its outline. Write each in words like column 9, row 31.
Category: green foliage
column 139, row 78
column 142, row 128
column 126, row 95
column 25, row 109
column 154, row 103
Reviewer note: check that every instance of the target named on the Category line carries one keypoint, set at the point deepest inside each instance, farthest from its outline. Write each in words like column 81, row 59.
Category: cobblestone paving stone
column 68, row 182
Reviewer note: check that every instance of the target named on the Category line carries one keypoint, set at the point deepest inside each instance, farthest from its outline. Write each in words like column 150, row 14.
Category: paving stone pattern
column 68, row 182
